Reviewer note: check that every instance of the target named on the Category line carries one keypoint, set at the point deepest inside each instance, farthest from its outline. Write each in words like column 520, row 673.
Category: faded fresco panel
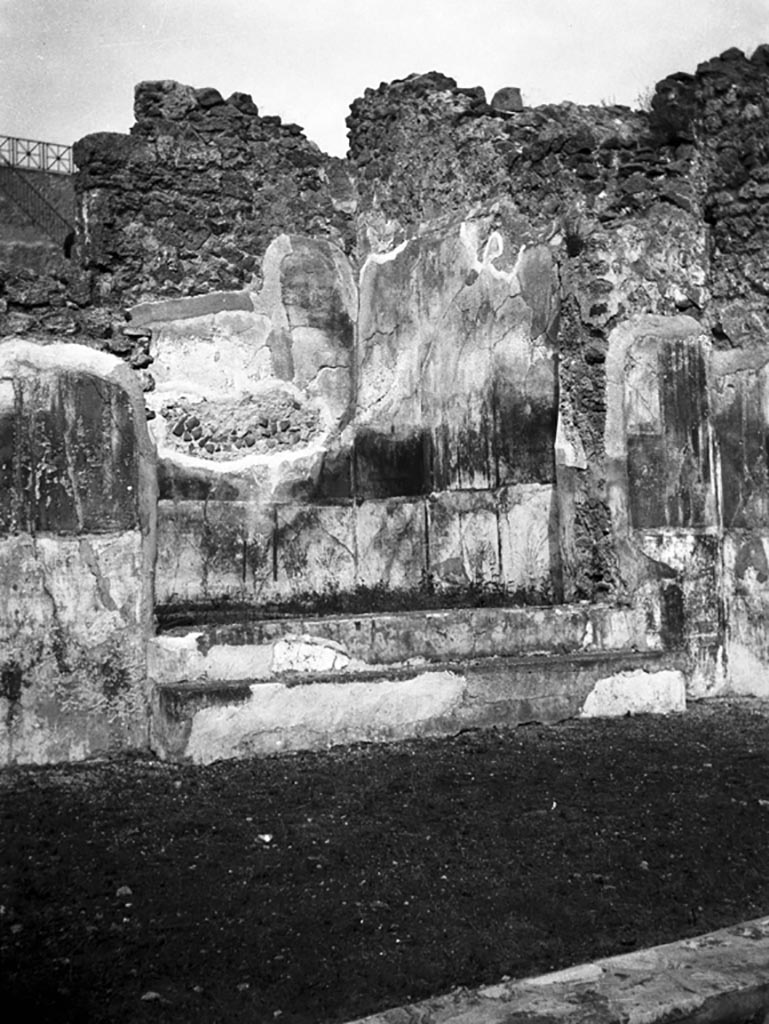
column 741, row 415
column 670, row 473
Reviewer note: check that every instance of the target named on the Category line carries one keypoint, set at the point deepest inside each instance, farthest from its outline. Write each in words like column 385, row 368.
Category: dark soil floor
column 322, row 887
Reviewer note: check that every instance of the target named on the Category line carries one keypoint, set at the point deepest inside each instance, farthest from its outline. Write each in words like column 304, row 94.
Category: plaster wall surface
column 437, row 465
column 77, row 514
column 497, row 355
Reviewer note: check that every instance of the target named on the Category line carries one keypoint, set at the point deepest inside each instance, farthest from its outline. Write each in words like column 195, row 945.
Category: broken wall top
column 189, row 201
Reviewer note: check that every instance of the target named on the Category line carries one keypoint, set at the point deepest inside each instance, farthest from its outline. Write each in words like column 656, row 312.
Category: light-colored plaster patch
column 318, row 715
column 308, row 654
column 173, row 658
column 524, row 514
column 239, row 661
column 658, row 693
column 383, row 257
column 747, row 675
column 16, row 353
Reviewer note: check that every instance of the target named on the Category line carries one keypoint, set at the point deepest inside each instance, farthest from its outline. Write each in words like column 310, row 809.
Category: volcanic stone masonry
column 498, row 356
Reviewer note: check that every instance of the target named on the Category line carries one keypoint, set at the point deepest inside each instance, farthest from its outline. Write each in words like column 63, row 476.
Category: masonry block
column 463, row 539
column 527, row 537
column 391, row 544
column 314, row 550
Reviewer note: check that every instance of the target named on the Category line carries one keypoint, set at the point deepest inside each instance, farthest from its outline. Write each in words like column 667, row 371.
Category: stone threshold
column 718, row 978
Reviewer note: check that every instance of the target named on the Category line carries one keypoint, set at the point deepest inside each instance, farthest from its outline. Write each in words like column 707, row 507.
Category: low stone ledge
column 208, row 720
column 182, row 309
column 443, row 634
column 719, row 977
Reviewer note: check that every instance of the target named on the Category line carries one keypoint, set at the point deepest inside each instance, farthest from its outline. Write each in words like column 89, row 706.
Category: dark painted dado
column 68, row 459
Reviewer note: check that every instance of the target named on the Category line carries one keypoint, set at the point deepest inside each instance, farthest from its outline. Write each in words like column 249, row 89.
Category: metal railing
column 34, row 155
column 34, row 203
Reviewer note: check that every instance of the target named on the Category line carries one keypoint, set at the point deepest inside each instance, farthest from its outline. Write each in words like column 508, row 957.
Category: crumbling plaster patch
column 317, row 715
column 258, row 393
column 636, row 693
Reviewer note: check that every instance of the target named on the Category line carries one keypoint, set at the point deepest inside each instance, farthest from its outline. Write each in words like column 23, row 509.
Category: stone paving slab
column 710, row 979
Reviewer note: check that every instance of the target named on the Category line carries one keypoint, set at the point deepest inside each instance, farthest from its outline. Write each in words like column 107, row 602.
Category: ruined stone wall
column 17, row 227
column 190, row 200
column 424, row 147
column 42, row 294
column 617, row 197
column 732, row 118
column 491, row 331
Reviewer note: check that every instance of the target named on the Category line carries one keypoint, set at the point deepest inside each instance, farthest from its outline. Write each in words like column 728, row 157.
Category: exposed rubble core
column 499, row 356
column 190, row 200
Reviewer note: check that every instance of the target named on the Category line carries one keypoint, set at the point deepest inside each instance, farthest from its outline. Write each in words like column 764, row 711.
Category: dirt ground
column 322, row 887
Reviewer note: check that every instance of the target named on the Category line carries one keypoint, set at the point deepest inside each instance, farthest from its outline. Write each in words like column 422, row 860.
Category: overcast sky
column 68, row 67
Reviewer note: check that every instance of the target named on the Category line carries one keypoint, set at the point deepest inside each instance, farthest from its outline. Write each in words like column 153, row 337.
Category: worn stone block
column 314, row 550
column 527, row 538
column 463, row 539
column 324, row 706
column 181, row 573
column 391, row 544
column 279, row 718
column 214, row 551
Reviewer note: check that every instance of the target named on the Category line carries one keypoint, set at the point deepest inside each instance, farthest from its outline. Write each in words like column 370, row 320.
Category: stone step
column 206, row 719
column 254, row 649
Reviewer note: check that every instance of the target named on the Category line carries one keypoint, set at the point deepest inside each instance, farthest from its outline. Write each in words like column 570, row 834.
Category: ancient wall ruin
column 498, row 356
column 77, row 535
